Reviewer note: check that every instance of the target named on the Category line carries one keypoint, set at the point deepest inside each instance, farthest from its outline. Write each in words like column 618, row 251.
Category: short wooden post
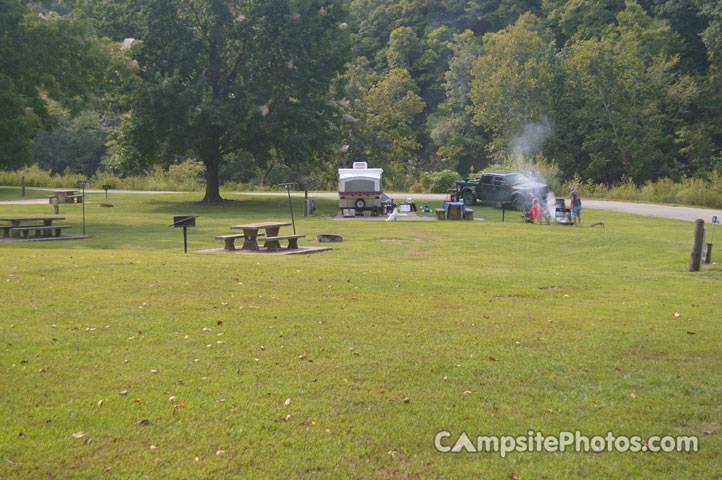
column 22, row 190
column 696, row 255
column 707, row 253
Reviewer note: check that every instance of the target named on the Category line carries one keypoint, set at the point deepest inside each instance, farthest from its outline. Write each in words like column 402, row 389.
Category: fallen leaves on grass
column 78, row 435
column 287, row 402
column 493, row 359
column 124, row 392
column 176, row 407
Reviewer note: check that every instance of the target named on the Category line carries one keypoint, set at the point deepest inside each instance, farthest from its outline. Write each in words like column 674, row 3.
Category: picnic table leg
column 292, row 243
column 274, row 245
column 249, row 241
column 230, row 244
column 15, row 224
column 58, row 232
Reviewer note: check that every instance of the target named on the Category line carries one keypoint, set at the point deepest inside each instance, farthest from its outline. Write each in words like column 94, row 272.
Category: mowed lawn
column 346, row 364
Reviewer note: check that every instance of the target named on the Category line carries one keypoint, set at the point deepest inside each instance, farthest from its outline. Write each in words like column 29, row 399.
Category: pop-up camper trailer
column 359, row 188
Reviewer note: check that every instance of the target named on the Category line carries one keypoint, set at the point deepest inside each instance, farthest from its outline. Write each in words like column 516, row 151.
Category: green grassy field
column 15, row 193
column 346, row 364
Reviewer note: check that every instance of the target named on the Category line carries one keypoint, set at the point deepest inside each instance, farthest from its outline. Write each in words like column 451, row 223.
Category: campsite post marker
column 83, row 182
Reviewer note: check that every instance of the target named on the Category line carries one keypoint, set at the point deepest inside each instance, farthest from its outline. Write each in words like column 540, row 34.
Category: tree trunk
column 266, row 172
column 212, row 162
column 213, row 194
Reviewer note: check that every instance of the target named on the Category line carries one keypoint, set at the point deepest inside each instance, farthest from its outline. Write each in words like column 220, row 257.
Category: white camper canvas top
column 359, row 172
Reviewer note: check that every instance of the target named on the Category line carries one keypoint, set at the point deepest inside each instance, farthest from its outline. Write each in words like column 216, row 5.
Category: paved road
column 662, row 211
column 40, row 201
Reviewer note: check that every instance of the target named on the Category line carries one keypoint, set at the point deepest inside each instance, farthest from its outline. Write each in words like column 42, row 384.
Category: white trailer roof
column 373, row 173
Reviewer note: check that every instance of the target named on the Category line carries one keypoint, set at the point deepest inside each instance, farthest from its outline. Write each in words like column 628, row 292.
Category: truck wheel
column 360, row 204
column 469, row 199
column 517, row 203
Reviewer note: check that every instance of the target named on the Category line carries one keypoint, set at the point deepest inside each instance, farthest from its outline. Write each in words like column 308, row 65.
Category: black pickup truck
column 501, row 188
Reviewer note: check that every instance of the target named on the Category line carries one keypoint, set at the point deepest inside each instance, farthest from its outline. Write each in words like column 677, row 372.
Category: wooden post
column 696, row 255
column 22, row 190
column 306, row 203
column 707, row 253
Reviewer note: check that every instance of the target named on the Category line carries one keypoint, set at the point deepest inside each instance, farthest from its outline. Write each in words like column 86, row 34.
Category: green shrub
column 437, row 182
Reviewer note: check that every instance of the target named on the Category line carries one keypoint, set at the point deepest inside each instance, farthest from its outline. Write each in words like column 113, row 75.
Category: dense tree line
column 619, row 89
column 604, row 89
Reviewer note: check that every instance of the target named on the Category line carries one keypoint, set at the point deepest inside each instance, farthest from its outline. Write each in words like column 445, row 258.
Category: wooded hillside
column 604, row 90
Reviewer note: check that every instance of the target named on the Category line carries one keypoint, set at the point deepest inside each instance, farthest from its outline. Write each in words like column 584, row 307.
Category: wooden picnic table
column 16, row 222
column 67, row 196
column 250, row 232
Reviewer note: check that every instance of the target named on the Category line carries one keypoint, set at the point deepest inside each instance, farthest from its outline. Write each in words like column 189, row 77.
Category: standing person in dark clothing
column 576, row 204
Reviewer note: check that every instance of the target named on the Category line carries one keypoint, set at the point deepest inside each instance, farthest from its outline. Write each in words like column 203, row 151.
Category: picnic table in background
column 66, row 196
column 16, row 226
column 250, row 232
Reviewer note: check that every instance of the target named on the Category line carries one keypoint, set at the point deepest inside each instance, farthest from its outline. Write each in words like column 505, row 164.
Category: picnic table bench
column 40, row 230
column 16, row 223
column 250, row 232
column 272, row 244
column 231, row 239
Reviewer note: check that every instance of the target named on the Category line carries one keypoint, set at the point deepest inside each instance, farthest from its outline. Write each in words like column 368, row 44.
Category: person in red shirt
column 536, row 211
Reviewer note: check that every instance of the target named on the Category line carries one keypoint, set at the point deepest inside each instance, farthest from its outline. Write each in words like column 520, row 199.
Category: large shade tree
column 220, row 77
column 43, row 57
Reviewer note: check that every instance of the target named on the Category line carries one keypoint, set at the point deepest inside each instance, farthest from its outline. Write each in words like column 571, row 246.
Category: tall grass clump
column 703, row 192
column 37, row 177
column 188, row 176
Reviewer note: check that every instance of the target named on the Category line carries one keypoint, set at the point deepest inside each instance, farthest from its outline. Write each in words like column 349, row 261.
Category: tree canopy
column 622, row 88
column 43, row 56
column 217, row 78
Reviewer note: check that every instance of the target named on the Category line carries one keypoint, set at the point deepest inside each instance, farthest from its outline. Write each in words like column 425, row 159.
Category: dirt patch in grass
column 391, row 240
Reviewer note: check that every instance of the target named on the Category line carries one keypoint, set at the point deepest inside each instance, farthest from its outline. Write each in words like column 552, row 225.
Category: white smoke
column 531, row 140
column 551, row 204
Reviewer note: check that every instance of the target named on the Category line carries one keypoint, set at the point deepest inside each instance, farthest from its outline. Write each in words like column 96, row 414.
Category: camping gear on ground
column 562, row 215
